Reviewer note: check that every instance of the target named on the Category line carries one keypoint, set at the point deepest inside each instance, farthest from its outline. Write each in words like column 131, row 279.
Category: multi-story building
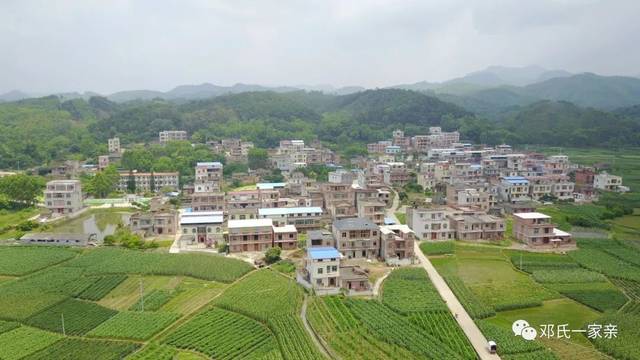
column 207, row 201
column 202, row 227
column 556, row 164
column 323, row 268
column 339, row 199
column 260, row 235
column 114, row 145
column 144, row 180
column 514, row 189
column 607, row 182
column 320, row 238
column 103, row 162
column 163, row 222
column 373, row 210
column 357, row 237
column 172, row 135
column 466, row 195
column 584, row 180
column 63, row 196
column 397, row 175
column 396, row 242
column 477, row 227
column 562, row 188
column 341, row 176
column 430, row 223
column 304, row 218
column 244, row 204
column 208, row 177
column 536, row 229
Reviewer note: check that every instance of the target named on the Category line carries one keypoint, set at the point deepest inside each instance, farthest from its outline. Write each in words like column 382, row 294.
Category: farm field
column 225, row 335
column 489, row 275
column 134, row 325
column 56, row 292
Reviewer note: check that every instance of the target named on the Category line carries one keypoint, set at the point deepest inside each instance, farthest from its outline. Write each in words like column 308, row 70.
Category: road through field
column 469, row 327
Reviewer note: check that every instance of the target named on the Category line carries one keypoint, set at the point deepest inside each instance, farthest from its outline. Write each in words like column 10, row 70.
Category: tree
column 152, row 183
column 22, row 189
column 104, row 182
column 258, row 158
column 272, row 255
column 131, row 183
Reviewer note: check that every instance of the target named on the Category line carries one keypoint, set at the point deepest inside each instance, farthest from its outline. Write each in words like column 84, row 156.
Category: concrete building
column 323, row 268
column 607, row 182
column 514, row 189
column 373, row 210
column 260, row 235
column 63, row 196
column 163, row 222
column 172, row 135
column 357, row 237
column 320, row 238
column 202, row 227
column 207, row 201
column 396, row 243
column 341, row 176
column 103, row 162
column 477, row 227
column 143, row 181
column 536, row 229
column 114, row 145
column 208, row 177
column 430, row 223
column 304, row 218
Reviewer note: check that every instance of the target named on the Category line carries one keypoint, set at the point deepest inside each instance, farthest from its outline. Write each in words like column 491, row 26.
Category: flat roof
column 210, row 163
column 324, row 252
column 558, row 232
column 202, row 219
column 249, row 223
column 202, row 213
column 285, row 229
column 269, row 186
column 532, row 215
column 289, row 210
column 355, row 224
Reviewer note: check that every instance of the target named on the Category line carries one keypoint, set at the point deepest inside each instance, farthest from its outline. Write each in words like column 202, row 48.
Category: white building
column 302, row 217
column 172, row 135
column 607, row 182
column 323, row 267
column 63, row 196
column 208, row 177
column 114, row 145
column 430, row 223
column 202, row 227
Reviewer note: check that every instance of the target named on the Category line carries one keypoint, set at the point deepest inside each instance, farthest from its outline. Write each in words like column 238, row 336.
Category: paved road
column 469, row 327
column 391, row 212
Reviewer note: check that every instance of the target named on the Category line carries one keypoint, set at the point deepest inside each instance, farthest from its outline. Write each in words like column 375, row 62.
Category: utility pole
column 520, row 261
column 141, row 296
column 62, row 318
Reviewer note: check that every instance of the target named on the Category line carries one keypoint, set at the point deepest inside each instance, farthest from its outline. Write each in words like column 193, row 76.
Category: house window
column 320, row 270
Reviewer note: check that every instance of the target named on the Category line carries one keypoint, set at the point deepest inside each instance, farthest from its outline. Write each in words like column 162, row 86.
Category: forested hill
column 37, row 131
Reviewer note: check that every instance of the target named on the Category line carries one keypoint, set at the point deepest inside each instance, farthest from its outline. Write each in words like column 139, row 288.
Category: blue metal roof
column 325, row 252
column 389, row 221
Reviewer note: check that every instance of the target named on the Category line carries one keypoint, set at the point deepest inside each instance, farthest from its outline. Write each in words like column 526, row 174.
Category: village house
column 339, row 199
column 172, row 135
column 430, row 223
column 477, row 195
column 304, row 218
column 396, row 243
column 206, row 201
column 326, row 272
column 536, row 229
column 143, row 181
column 260, row 235
column 584, row 178
column 607, row 182
column 514, row 189
column 153, row 223
column 320, row 238
column 113, row 145
column 202, row 227
column 244, row 204
column 372, row 210
column 63, row 196
column 474, row 227
column 208, row 177
column 357, row 237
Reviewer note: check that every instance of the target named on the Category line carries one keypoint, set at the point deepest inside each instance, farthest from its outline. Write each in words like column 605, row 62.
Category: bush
column 27, row 225
column 272, row 255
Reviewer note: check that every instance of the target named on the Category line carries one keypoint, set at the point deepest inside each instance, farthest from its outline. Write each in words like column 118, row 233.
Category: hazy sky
column 112, row 45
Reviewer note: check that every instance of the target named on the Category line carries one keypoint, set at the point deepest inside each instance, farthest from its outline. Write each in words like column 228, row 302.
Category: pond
column 101, row 223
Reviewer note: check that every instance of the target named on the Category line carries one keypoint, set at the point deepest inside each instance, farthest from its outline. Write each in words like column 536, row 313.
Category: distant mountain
column 516, row 76
column 603, row 92
column 490, row 102
column 130, row 95
column 13, row 95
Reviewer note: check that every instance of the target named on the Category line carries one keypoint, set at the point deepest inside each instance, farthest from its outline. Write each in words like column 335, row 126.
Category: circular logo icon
column 518, row 326
column 529, row 333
